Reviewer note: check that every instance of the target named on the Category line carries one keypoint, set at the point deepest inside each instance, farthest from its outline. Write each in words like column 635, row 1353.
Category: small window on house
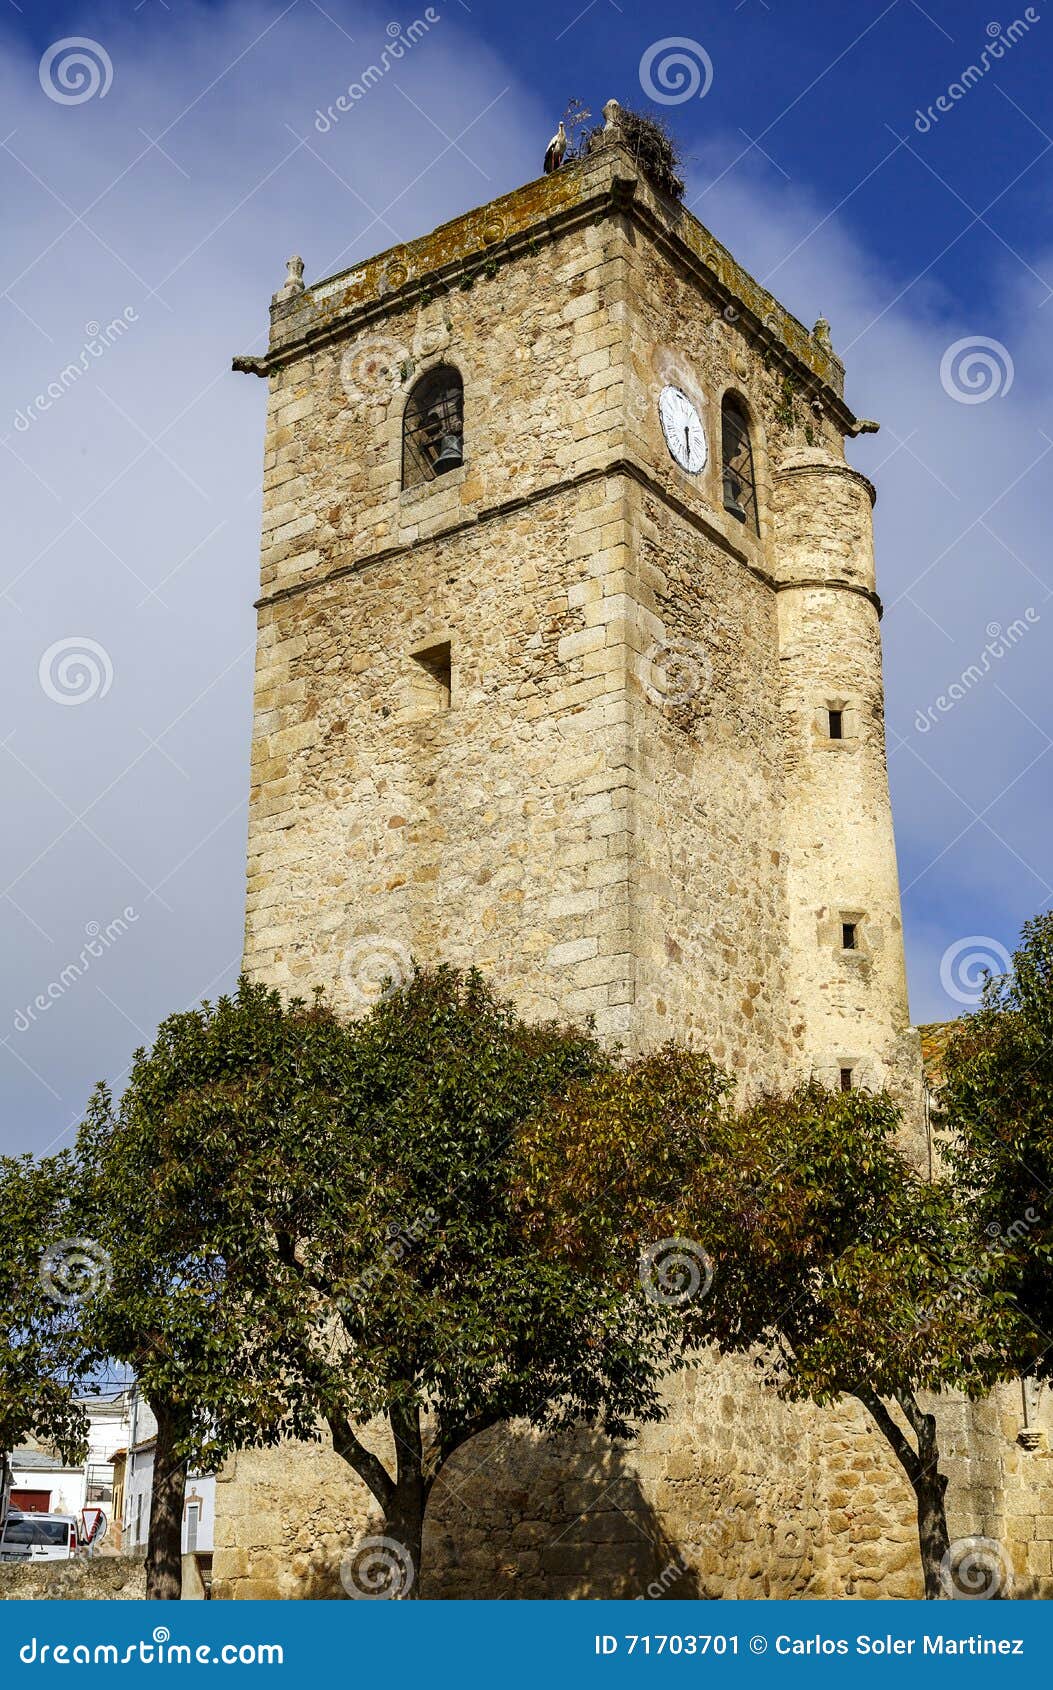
column 846, row 1079
column 433, row 427
column 432, row 677
column 193, row 1518
column 849, row 935
column 740, row 485
column 837, row 724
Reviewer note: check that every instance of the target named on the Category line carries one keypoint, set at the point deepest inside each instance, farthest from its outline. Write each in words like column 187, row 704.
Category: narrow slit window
column 740, row 484
column 432, row 677
column 846, row 1079
column 837, row 724
column 849, row 936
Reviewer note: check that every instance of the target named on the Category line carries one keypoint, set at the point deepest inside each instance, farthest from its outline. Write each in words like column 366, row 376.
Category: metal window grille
column 740, row 484
column 433, row 427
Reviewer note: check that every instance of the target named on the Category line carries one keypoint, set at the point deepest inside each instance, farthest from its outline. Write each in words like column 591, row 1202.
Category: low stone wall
column 735, row 1494
column 109, row 1578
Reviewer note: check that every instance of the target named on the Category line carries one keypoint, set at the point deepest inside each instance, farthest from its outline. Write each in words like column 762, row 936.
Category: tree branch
column 369, row 1467
column 924, row 1426
column 876, row 1409
column 405, row 1427
column 449, row 1439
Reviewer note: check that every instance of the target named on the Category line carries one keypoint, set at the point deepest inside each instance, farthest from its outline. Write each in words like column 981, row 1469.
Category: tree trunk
column 922, row 1467
column 404, row 1525
column 930, row 1487
column 164, row 1550
column 392, row 1567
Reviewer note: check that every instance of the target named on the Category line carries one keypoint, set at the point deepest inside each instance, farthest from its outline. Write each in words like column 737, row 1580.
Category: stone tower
column 569, row 666
column 596, row 711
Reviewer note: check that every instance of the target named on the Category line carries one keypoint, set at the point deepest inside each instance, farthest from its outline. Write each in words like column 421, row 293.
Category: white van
column 38, row 1537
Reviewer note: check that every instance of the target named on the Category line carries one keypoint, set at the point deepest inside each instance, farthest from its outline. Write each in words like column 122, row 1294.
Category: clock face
column 682, row 427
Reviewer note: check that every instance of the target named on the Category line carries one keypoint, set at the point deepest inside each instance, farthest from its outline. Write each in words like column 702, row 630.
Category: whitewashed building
column 199, row 1502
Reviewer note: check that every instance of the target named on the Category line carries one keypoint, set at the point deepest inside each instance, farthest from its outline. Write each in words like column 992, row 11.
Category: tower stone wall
column 632, row 806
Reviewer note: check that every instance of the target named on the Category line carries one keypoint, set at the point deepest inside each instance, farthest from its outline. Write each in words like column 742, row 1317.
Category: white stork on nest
column 556, row 151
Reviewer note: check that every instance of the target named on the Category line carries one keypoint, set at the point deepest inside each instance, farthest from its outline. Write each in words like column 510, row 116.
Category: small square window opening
column 837, row 724
column 432, row 678
column 846, row 1079
column 849, row 936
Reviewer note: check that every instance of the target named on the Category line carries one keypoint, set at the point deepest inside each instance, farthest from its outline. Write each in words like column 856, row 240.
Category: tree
column 996, row 1111
column 330, row 1206
column 794, row 1228
column 45, row 1273
column 204, row 1349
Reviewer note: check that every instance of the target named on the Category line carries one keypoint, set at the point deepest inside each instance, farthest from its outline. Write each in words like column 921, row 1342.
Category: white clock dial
column 682, row 427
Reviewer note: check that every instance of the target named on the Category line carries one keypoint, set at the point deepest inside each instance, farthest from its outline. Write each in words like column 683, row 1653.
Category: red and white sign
column 92, row 1525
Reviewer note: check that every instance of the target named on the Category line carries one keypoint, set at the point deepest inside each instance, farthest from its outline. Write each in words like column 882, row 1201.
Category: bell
column 450, row 453
column 732, row 489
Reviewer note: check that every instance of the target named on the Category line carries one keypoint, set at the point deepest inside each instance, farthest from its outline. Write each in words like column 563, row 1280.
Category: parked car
column 38, row 1537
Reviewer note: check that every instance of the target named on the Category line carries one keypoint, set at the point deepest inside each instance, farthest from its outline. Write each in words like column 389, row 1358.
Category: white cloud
column 133, row 503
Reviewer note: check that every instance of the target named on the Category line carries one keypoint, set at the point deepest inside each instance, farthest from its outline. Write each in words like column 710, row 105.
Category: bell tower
column 569, row 657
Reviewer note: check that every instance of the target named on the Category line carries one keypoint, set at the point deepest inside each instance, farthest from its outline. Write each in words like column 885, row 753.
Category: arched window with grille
column 740, row 481
column 433, row 426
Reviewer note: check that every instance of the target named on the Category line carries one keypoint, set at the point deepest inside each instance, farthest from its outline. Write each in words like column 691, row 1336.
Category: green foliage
column 41, row 1353
column 395, row 1222
column 996, row 1107
column 864, row 1275
column 828, row 1251
column 173, row 1215
column 827, row 1258
column 607, row 1167
column 312, row 1218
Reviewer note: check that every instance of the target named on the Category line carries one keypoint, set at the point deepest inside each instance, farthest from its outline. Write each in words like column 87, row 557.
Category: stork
column 556, row 150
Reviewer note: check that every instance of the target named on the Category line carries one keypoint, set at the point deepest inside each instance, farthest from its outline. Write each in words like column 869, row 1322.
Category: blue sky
column 168, row 204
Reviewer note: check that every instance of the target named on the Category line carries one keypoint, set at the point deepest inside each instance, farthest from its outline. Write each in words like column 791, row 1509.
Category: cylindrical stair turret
column 848, row 987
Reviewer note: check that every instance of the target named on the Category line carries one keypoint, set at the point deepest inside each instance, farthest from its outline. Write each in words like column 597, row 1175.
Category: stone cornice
column 829, row 467
column 630, row 470
column 605, row 185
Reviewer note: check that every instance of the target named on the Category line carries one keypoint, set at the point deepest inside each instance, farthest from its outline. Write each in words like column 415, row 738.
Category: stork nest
column 655, row 149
